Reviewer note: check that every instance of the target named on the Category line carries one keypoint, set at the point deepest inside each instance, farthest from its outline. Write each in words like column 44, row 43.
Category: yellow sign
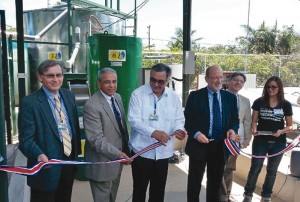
column 117, row 55
column 54, row 55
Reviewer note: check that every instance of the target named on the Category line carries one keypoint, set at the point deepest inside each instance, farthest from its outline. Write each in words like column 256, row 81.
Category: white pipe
column 39, row 35
column 71, row 61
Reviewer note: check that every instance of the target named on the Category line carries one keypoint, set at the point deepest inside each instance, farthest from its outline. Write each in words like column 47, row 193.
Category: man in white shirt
column 236, row 83
column 155, row 114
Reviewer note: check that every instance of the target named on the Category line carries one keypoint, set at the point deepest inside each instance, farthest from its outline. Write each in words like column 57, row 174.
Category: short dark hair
column 46, row 64
column 106, row 70
column 235, row 74
column 160, row 67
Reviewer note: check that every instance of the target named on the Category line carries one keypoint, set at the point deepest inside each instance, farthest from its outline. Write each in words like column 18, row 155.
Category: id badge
column 153, row 117
column 62, row 127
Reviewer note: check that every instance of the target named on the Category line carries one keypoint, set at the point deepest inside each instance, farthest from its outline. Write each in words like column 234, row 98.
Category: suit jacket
column 104, row 139
column 197, row 118
column 245, row 119
column 38, row 134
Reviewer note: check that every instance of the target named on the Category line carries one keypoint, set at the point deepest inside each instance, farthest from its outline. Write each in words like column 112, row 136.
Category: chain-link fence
column 287, row 67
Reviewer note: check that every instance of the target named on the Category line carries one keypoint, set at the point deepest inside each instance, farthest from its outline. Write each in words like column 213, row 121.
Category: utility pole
column 187, row 13
column 247, row 47
column 149, row 36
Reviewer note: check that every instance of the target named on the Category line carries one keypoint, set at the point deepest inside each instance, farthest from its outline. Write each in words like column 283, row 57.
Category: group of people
column 49, row 129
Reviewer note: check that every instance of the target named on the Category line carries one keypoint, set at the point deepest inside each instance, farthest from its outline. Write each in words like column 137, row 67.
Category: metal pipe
column 71, row 61
column 51, row 24
column 135, row 20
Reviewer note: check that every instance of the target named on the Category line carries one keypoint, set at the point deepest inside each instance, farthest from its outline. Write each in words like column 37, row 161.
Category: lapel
column 46, row 110
column 240, row 105
column 206, row 103
column 108, row 111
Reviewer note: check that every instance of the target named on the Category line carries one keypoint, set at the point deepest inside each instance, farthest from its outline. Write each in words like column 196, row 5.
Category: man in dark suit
column 107, row 137
column 43, row 128
column 206, row 134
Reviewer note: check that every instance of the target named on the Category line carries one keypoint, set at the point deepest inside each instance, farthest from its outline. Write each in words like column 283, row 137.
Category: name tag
column 153, row 117
column 62, row 127
column 278, row 111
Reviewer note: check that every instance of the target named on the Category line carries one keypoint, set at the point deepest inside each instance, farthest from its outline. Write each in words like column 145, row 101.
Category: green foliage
column 176, row 43
column 270, row 52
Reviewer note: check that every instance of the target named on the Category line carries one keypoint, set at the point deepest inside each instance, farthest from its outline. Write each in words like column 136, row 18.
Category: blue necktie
column 118, row 118
column 217, row 121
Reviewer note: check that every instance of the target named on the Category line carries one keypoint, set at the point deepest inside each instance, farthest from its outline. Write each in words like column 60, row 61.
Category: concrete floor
column 175, row 188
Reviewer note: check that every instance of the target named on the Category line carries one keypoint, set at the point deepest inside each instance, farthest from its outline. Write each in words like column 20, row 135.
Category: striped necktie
column 122, row 130
column 63, row 128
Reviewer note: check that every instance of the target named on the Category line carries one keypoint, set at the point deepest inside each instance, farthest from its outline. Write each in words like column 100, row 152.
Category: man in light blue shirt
column 155, row 114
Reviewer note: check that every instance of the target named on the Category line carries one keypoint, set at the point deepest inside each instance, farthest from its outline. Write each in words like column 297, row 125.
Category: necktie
column 118, row 118
column 217, row 122
column 63, row 128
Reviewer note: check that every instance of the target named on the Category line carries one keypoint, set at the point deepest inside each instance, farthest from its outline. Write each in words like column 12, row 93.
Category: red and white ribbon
column 35, row 169
column 235, row 150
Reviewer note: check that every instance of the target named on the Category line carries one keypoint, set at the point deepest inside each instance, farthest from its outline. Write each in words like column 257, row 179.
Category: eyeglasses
column 216, row 77
column 159, row 82
column 51, row 76
column 108, row 82
column 272, row 87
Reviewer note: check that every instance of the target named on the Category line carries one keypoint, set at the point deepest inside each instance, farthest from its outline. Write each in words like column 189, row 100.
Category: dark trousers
column 215, row 169
column 147, row 170
column 261, row 148
column 63, row 192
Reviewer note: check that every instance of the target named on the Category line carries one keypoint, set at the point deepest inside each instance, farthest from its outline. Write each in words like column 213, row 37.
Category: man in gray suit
column 107, row 137
column 236, row 83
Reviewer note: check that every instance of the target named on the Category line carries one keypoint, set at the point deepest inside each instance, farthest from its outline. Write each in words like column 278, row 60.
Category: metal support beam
column 135, row 20
column 187, row 12
column 3, row 175
column 20, row 50
column 70, row 29
column 5, row 80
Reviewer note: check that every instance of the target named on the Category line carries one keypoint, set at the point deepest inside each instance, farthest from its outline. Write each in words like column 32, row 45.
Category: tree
column 288, row 41
column 261, row 40
column 270, row 40
column 176, row 43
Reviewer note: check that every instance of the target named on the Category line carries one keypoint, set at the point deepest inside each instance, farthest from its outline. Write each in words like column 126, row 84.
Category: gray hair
column 104, row 71
column 46, row 64
column 210, row 68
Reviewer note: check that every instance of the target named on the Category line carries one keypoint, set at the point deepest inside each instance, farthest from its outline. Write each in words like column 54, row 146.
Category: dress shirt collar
column 149, row 90
column 210, row 92
column 107, row 97
column 49, row 94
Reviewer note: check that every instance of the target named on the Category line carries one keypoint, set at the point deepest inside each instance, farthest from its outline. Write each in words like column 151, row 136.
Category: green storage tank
column 121, row 53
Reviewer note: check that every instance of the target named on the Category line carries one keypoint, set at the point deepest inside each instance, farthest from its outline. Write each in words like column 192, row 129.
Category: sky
column 216, row 21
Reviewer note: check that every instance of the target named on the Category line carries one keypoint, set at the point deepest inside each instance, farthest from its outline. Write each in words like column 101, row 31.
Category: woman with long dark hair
column 271, row 120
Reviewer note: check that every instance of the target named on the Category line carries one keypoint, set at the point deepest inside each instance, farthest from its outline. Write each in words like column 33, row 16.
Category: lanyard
column 59, row 111
column 156, row 102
